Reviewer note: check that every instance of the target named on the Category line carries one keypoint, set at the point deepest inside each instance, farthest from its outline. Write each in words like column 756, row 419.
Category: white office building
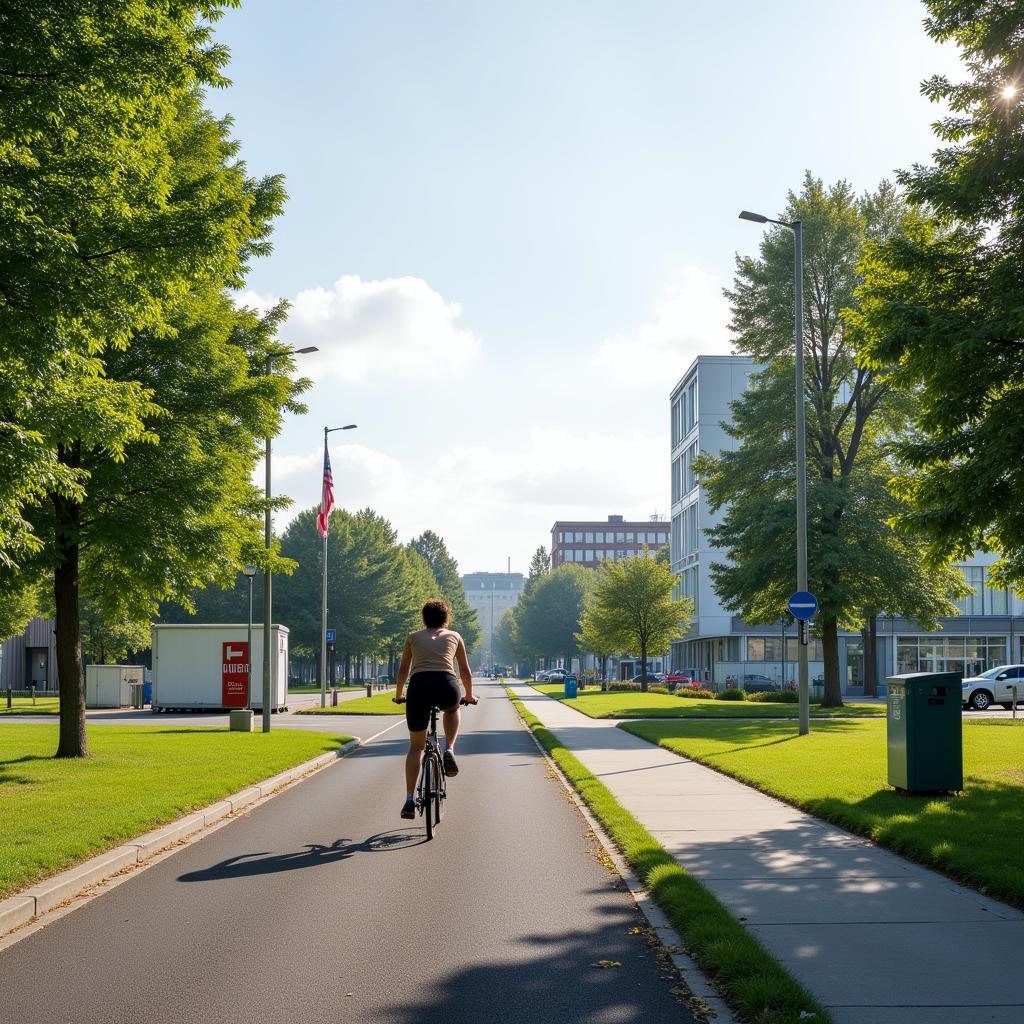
column 490, row 595
column 720, row 647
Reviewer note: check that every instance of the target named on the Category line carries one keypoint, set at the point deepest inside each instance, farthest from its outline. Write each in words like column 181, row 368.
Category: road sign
column 234, row 674
column 331, row 635
column 803, row 605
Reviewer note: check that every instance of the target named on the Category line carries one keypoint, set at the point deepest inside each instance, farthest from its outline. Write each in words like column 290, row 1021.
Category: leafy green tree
column 540, row 565
column 943, row 303
column 597, row 634
column 106, row 642
column 633, row 610
column 855, row 560
column 157, row 419
column 446, row 573
column 548, row 614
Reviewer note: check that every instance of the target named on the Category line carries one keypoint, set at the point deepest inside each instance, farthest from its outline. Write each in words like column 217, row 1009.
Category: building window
column 620, row 536
column 588, row 537
column 968, row 655
column 588, row 555
column 662, row 538
column 610, row 554
column 629, row 537
column 973, row 603
column 577, row 536
column 599, row 537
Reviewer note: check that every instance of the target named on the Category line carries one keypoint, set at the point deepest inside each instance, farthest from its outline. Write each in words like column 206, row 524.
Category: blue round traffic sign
column 802, row 605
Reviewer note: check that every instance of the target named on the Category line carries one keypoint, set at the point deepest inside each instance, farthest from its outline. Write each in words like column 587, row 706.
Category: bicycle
column 432, row 791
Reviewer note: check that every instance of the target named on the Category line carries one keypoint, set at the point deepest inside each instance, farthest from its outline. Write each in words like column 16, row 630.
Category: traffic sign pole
column 323, row 627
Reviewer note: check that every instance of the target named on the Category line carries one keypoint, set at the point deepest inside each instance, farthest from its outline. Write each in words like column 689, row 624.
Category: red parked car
column 676, row 679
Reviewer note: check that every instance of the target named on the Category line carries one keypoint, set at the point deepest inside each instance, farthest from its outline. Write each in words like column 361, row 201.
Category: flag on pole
column 327, row 497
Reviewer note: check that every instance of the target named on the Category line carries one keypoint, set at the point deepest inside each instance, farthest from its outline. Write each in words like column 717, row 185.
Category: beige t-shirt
column 433, row 650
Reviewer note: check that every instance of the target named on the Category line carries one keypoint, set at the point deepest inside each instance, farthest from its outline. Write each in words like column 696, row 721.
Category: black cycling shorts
column 428, row 690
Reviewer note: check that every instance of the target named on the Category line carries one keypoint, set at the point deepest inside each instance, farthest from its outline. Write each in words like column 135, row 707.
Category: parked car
column 553, row 675
column 754, row 682
column 994, row 687
column 652, row 677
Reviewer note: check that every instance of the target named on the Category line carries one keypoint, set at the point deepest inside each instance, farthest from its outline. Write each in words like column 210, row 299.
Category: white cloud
column 692, row 319
column 491, row 503
column 396, row 325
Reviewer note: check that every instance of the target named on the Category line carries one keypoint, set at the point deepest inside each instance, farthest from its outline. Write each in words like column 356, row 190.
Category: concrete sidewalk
column 874, row 937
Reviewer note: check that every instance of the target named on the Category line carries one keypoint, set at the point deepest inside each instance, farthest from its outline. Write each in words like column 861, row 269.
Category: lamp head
column 304, row 351
column 249, row 571
column 757, row 218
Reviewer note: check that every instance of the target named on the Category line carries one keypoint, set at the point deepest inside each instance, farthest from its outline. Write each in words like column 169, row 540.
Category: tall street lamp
column 326, row 512
column 797, row 228
column 267, row 528
column 249, row 571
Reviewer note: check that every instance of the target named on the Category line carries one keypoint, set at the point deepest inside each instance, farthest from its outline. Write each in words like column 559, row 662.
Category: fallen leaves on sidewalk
column 607, row 963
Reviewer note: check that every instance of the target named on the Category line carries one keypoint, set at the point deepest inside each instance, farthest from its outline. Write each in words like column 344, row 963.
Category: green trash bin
column 924, row 732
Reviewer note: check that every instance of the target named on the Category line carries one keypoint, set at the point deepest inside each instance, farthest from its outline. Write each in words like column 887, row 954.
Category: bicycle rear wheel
column 428, row 795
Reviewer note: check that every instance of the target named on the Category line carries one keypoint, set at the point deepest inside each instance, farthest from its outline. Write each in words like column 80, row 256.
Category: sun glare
column 1008, row 92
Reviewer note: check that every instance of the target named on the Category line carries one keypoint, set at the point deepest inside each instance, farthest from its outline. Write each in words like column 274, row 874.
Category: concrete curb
column 29, row 904
column 706, row 1004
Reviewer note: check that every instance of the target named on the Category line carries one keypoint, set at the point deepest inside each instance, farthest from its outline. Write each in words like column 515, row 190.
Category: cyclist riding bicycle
column 428, row 663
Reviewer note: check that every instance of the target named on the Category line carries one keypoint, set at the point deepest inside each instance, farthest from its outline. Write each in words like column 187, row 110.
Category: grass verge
column 596, row 704
column 316, row 688
column 59, row 812
column 839, row 772
column 378, row 704
column 756, row 986
column 24, row 706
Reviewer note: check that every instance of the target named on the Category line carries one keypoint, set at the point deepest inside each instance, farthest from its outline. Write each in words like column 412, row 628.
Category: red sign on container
column 234, row 674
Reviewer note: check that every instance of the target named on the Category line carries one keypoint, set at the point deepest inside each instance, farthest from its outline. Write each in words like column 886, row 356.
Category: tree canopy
column 548, row 614
column 857, row 563
column 943, row 302
column 446, row 573
column 631, row 608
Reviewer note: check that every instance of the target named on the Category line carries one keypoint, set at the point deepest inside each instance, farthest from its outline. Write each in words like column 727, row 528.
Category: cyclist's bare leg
column 413, row 760
column 450, row 724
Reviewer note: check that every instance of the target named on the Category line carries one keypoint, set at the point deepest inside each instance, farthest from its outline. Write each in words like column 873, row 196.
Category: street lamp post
column 267, row 529
column 797, row 228
column 323, row 603
column 249, row 571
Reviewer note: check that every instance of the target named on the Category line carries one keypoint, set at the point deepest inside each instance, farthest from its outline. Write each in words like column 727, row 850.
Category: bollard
column 369, row 689
column 334, row 696
column 32, row 690
column 10, row 698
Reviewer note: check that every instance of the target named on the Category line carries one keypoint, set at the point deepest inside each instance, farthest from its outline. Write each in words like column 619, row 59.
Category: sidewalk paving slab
column 876, row 938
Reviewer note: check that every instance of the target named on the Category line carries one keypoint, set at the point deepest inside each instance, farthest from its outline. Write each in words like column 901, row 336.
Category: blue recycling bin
column 570, row 687
column 147, row 693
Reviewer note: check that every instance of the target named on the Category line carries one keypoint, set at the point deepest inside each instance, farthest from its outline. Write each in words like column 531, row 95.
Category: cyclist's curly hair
column 436, row 612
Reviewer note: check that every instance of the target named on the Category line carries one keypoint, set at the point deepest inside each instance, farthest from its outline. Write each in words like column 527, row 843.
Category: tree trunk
column 348, row 669
column 72, row 741
column 643, row 668
column 870, row 656
column 830, row 649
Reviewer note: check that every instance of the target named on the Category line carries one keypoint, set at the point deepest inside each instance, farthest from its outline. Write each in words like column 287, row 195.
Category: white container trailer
column 109, row 686
column 200, row 665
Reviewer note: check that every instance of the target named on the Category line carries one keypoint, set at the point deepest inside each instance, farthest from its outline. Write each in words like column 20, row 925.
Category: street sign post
column 331, row 635
column 234, row 674
column 802, row 605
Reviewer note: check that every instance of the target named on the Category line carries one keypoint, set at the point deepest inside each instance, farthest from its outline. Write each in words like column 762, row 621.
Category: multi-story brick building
column 590, row 543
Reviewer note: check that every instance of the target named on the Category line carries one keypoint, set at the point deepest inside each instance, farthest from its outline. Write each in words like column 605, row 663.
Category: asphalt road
column 322, row 905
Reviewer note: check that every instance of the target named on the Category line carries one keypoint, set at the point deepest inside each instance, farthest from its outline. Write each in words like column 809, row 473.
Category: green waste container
column 924, row 732
column 570, row 686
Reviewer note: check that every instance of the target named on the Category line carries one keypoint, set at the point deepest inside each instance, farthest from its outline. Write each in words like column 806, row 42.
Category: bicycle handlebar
column 462, row 702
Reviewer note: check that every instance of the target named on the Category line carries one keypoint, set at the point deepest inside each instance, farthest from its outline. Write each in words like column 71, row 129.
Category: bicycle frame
column 432, row 791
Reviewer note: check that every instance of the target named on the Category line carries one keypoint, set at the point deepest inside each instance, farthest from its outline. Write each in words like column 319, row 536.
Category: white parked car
column 994, row 687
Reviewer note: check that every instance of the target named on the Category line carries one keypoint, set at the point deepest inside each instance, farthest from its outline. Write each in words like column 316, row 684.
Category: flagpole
column 323, row 633
column 325, row 512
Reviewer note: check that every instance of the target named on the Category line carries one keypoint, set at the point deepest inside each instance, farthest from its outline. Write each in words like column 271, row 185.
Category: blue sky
column 509, row 226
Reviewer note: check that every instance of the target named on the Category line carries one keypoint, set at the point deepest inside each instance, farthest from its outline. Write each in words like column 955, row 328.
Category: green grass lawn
column 56, row 813
column 24, row 705
column 839, row 773
column 378, row 704
column 622, row 704
column 316, row 688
